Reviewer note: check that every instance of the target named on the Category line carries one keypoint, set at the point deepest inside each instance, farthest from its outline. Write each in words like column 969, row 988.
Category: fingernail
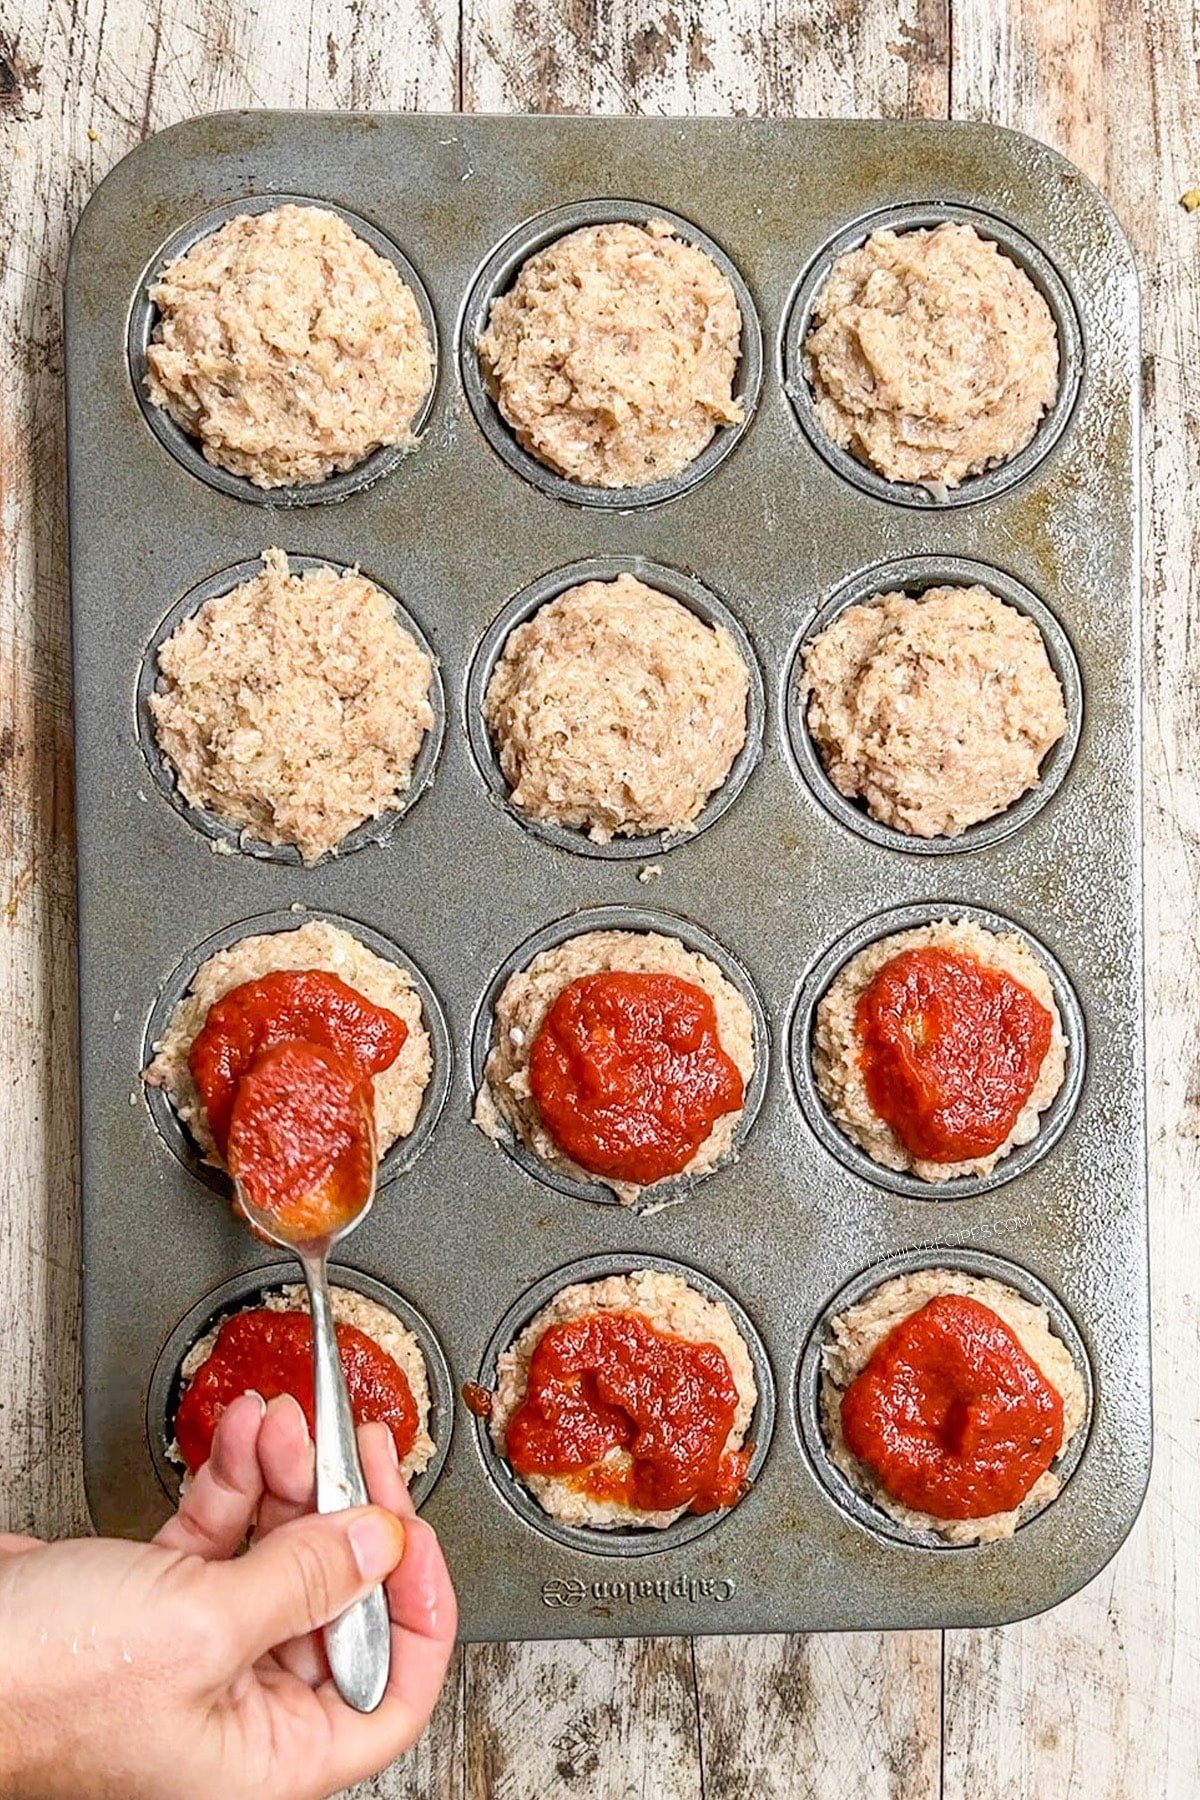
column 254, row 1394
column 377, row 1540
column 393, row 1449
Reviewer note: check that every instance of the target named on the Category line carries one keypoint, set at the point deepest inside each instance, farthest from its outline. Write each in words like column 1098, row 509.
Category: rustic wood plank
column 1099, row 1698
column 885, row 57
column 77, row 90
column 825, row 1715
column 778, row 1716
column 611, row 1720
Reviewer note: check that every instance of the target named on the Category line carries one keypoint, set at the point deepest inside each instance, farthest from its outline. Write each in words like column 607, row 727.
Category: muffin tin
column 770, row 526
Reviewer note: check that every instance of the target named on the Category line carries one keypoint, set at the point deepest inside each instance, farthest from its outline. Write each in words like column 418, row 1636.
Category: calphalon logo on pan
column 692, row 1588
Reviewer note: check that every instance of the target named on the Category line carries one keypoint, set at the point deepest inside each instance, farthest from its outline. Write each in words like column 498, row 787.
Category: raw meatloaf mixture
column 836, row 1050
column 288, row 347
column 315, row 945
column 294, row 706
column 616, row 710
column 374, row 1321
column 857, row 1333
column 505, row 1098
column 669, row 1304
column 612, row 356
column 938, row 711
column 932, row 355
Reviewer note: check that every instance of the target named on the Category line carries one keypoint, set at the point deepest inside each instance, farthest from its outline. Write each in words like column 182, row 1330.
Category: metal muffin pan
column 248, row 1290
column 461, row 538
column 224, row 835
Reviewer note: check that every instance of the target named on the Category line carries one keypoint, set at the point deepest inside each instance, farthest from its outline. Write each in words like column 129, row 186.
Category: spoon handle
column 358, row 1643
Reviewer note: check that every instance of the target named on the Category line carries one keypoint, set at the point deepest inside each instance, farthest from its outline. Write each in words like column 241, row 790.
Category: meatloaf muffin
column 935, row 711
column 855, row 1334
column 317, row 944
column 374, row 1321
column 288, row 347
column 669, row 1304
column 837, row 1045
column 505, row 1099
column 293, row 707
column 616, row 710
column 613, row 354
column 932, row 355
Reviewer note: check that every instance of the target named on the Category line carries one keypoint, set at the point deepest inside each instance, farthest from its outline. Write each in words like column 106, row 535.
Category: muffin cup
column 627, row 1540
column 991, row 483
column 699, row 600
column 143, row 317
column 810, row 1427
column 916, row 575
column 497, row 276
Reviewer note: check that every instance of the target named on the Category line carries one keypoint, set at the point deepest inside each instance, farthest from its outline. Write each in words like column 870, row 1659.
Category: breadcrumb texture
column 932, row 356
column 857, row 1333
column 937, row 712
column 616, row 710
column 374, row 1321
column 288, row 347
column 613, row 354
column 504, row 1099
column 669, row 1304
column 836, row 1045
column 314, row 945
column 294, row 707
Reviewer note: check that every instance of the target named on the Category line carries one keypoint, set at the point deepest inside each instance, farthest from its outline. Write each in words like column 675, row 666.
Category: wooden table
column 1097, row 1699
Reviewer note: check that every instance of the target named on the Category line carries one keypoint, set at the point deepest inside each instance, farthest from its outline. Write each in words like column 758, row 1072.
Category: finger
column 285, row 1452
column 425, row 1619
column 381, row 1470
column 304, row 1575
column 12, row 1543
column 218, row 1505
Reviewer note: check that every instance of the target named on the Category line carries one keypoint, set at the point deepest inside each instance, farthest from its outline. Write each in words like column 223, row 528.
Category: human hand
column 170, row 1671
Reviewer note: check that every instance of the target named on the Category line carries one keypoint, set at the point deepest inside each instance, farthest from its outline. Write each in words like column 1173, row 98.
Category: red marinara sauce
column 300, row 1139
column 288, row 1005
column 272, row 1353
column 612, row 1381
column 950, row 1052
column 952, row 1414
column 629, row 1075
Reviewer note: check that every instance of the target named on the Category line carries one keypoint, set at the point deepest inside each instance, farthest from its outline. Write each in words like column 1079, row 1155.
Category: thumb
column 307, row 1573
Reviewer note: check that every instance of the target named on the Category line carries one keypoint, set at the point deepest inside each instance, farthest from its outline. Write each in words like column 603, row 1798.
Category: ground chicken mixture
column 669, row 1304
column 932, row 355
column 288, row 347
column 835, row 1049
column 616, row 710
column 936, row 712
column 612, row 357
column 374, row 1321
column 855, row 1334
column 315, row 945
column 504, row 1099
column 294, row 707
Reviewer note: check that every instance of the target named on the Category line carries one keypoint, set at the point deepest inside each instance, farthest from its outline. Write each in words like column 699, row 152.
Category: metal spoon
column 359, row 1642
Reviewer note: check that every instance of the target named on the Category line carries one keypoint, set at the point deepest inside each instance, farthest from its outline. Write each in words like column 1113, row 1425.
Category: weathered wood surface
column 1095, row 1701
